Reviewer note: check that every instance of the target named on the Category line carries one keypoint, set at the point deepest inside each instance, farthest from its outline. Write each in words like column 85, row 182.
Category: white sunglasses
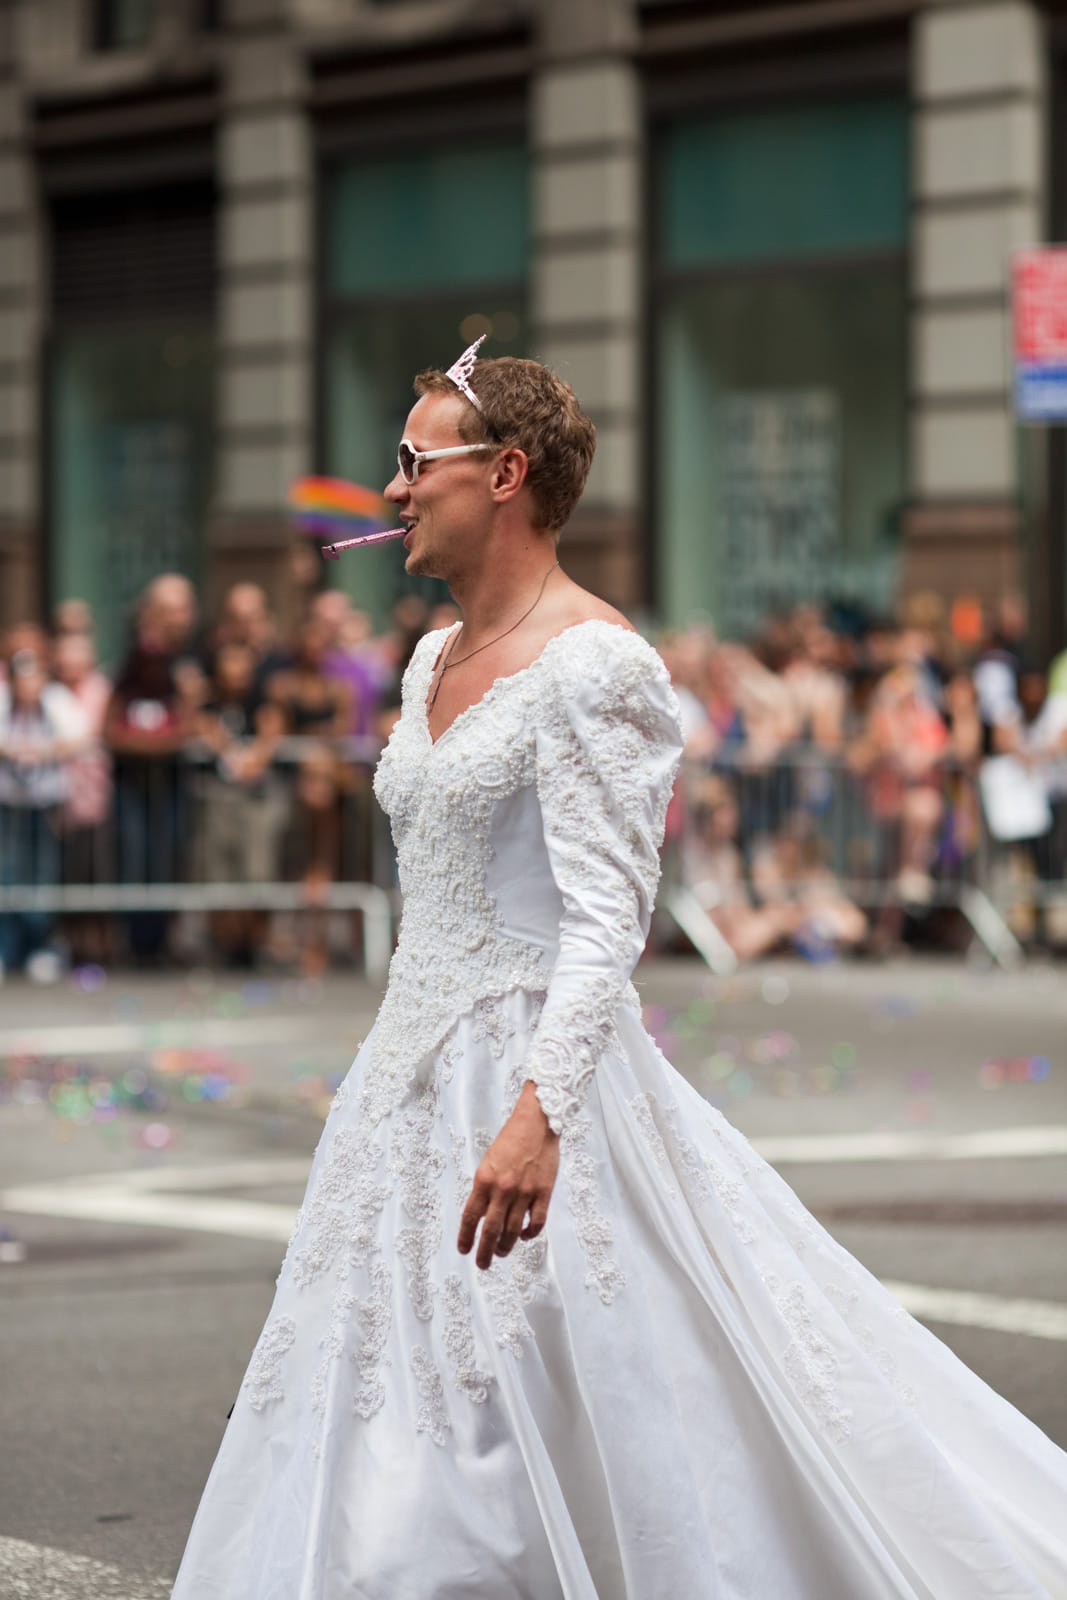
column 409, row 460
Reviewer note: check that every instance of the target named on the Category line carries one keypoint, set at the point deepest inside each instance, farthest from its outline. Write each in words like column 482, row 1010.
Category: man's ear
column 509, row 474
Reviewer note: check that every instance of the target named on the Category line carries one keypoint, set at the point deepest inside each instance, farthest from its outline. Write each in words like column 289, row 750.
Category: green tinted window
column 124, row 24
column 431, row 219
column 131, row 431
column 782, row 423
column 803, row 180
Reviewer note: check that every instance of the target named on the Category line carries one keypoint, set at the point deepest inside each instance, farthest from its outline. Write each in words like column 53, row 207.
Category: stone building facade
column 769, row 243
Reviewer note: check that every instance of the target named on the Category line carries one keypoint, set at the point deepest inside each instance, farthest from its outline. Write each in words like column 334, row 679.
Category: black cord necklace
column 448, row 662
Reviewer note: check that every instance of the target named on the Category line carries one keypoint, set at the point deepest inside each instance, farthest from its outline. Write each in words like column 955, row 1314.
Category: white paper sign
column 1014, row 798
column 779, row 458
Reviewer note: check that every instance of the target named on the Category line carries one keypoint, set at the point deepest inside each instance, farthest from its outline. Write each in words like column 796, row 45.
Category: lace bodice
column 527, row 841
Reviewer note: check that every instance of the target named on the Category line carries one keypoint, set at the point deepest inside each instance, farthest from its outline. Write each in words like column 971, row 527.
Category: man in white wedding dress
column 547, row 1327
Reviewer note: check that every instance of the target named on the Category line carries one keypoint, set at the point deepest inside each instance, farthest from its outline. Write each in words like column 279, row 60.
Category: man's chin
column 420, row 564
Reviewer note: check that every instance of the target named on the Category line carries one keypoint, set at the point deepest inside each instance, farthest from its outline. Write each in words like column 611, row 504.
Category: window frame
column 104, row 29
column 772, row 85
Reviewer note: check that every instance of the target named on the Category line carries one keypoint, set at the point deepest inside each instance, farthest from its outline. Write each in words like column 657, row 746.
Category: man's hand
column 513, row 1184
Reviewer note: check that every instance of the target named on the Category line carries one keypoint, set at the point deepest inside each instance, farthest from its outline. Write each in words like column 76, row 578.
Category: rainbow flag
column 336, row 507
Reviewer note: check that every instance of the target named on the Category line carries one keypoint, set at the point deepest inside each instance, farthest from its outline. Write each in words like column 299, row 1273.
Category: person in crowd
column 168, row 624
column 790, row 870
column 302, row 581
column 41, row 726
column 726, row 729
column 809, row 780
column 241, row 798
column 150, row 719
column 312, row 704
column 1039, row 740
column 924, row 627
column 754, row 743
column 878, row 652
column 713, row 867
column 763, row 701
column 317, row 710
column 355, row 659
column 996, row 671
column 360, row 640
column 72, row 617
column 963, row 723
column 349, row 665
column 685, row 656
column 408, row 621
column 900, row 754
column 88, row 853
column 817, row 690
column 245, row 618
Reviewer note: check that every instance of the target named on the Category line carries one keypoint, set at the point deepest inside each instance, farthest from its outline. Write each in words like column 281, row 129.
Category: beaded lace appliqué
column 453, row 950
column 846, row 1303
column 263, row 1380
column 642, row 1107
column 603, row 786
column 431, row 1416
column 469, row 1378
column 591, row 1226
column 342, row 1208
column 605, row 796
column 373, row 1318
column 810, row 1361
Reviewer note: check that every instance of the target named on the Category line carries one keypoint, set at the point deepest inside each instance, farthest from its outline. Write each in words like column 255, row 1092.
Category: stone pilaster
column 586, row 139
column 979, row 192
column 22, row 293
column 265, row 314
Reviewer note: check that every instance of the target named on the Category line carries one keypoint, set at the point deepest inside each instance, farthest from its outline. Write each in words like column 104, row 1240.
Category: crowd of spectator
column 838, row 772
column 845, row 779
column 215, row 752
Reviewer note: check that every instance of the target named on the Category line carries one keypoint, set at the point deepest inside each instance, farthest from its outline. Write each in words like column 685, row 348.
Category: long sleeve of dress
column 608, row 744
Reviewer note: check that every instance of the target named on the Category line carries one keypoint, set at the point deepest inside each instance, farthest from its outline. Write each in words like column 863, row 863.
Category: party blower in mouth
column 332, row 552
column 333, row 505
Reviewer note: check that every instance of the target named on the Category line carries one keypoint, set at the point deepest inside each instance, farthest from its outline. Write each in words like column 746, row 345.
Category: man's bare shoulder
column 577, row 605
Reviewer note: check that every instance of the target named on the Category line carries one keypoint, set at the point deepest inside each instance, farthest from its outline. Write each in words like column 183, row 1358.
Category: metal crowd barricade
column 815, row 817
column 810, row 811
column 148, row 854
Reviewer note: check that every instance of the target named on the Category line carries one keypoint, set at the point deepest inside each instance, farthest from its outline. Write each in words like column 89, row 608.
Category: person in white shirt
column 41, row 725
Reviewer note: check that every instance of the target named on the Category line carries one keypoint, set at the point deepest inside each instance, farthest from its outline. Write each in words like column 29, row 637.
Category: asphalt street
column 155, row 1133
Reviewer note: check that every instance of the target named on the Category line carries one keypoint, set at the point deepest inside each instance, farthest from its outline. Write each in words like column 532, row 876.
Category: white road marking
column 35, row 1572
column 252, row 1174
column 97, row 1202
column 914, row 1145
column 107, row 1038
column 136, row 1198
column 1038, row 1319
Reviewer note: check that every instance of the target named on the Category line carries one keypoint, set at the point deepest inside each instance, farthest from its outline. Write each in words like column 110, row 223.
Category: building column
column 266, row 299
column 22, row 297
column 587, row 139
column 979, row 193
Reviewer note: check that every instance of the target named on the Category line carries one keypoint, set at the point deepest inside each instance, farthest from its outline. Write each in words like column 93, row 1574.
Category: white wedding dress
column 684, row 1390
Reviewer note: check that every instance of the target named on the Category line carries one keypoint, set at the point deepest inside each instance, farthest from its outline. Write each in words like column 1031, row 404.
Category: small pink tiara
column 460, row 372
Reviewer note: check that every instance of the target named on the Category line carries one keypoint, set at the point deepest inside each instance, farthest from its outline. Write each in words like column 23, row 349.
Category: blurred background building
column 769, row 244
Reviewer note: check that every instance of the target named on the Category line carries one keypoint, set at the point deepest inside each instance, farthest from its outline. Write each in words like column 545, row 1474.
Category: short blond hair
column 526, row 407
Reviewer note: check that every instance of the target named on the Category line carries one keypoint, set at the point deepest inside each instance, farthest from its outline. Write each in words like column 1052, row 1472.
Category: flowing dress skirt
column 684, row 1389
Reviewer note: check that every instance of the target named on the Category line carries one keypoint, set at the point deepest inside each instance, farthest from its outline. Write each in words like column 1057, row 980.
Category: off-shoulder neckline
column 505, row 678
